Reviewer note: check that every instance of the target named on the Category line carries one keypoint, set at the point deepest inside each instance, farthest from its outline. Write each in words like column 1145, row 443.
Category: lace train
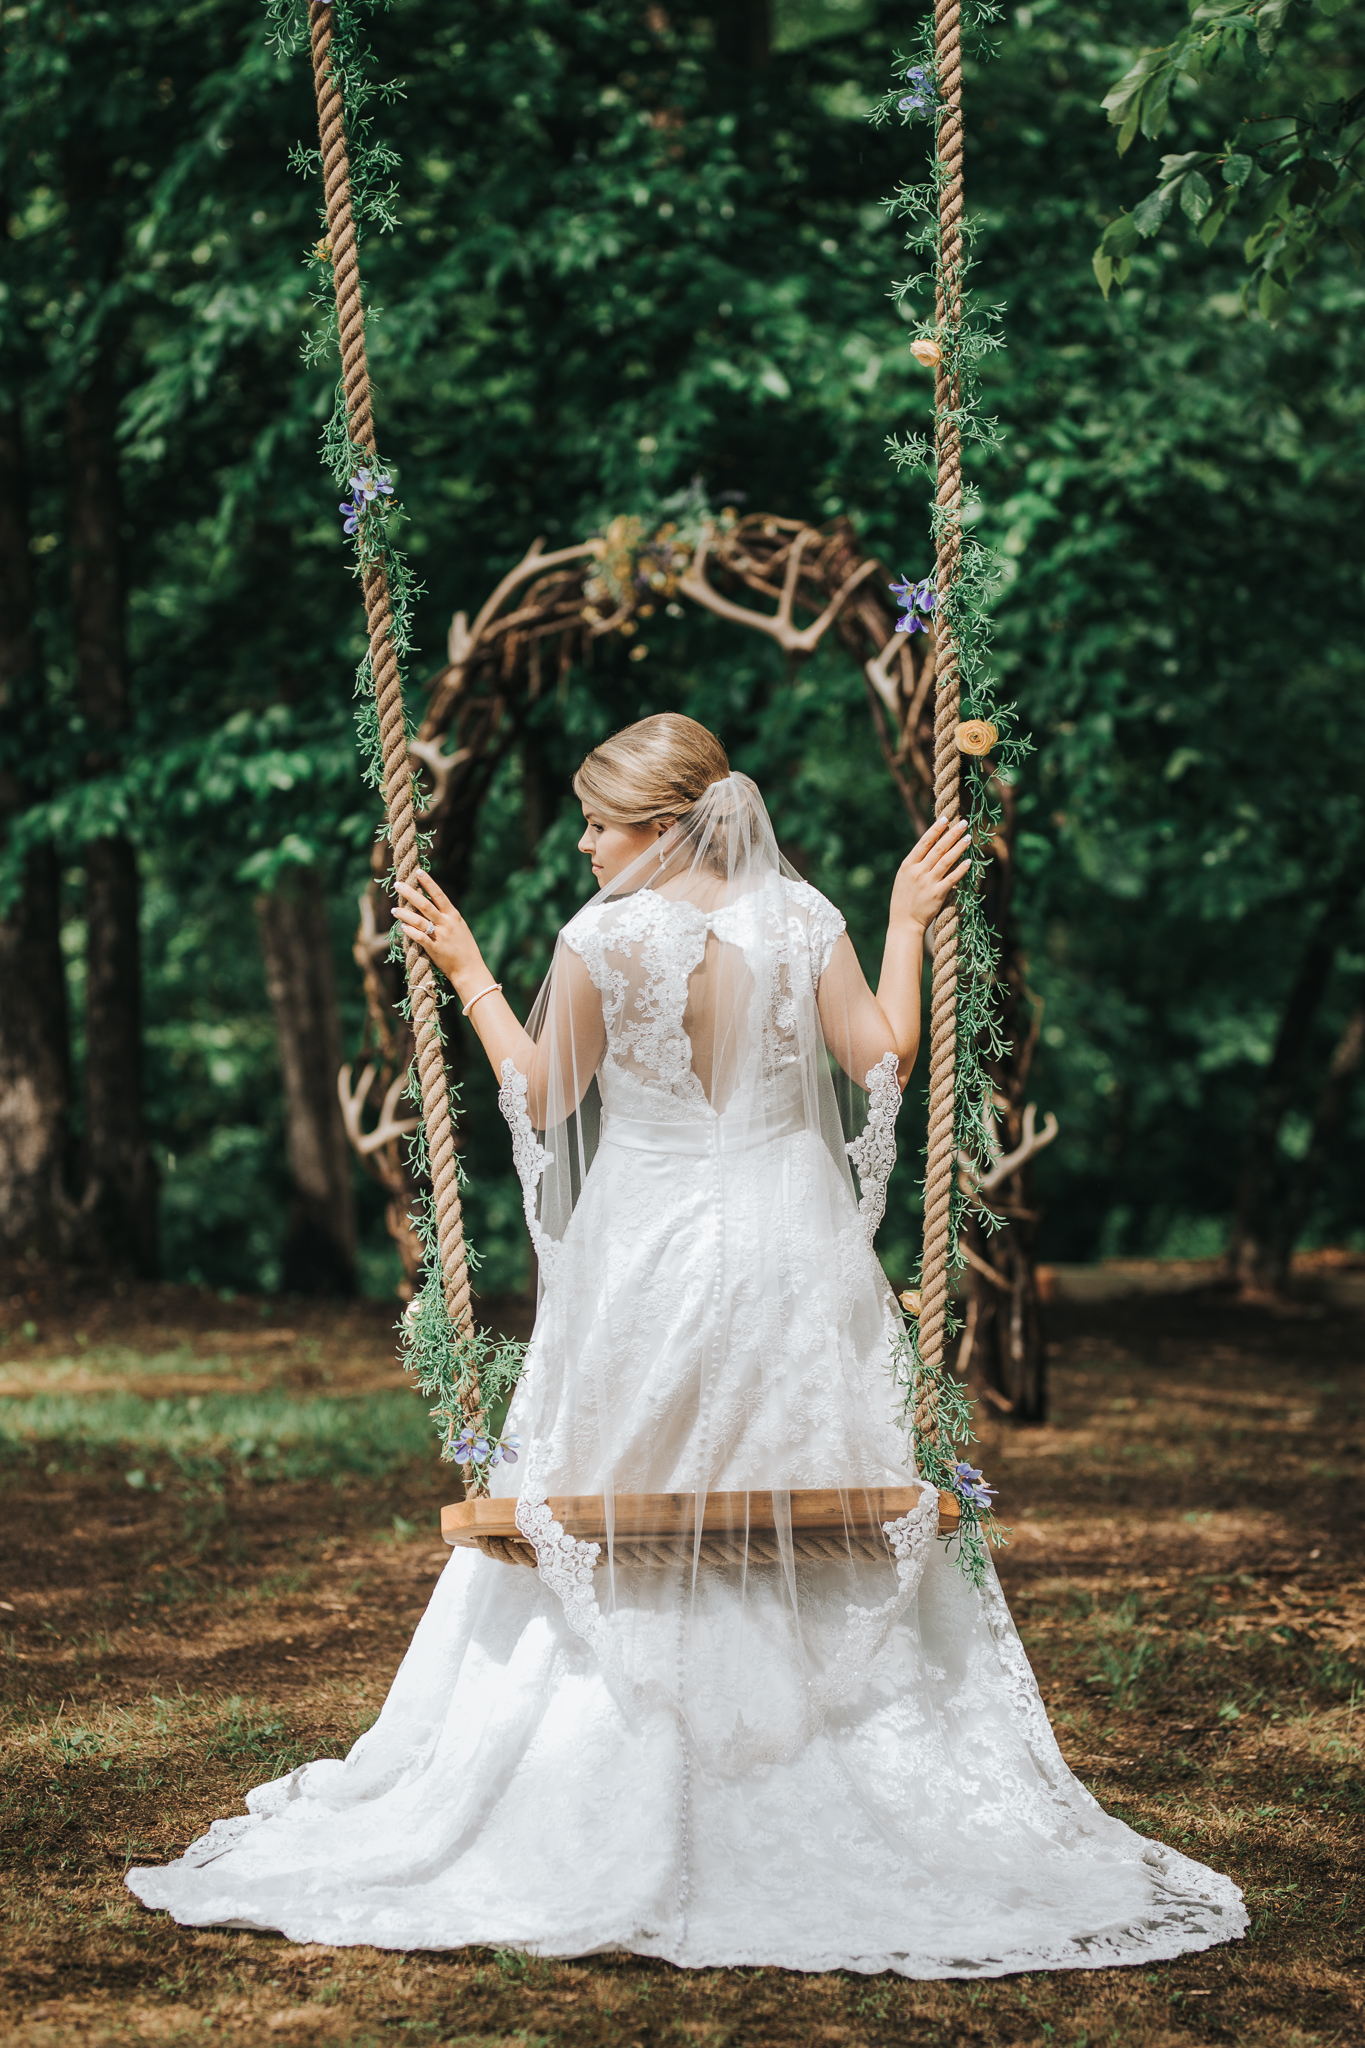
column 506, row 1797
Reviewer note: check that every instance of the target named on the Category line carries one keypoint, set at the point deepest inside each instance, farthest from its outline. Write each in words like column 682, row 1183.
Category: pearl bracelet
column 492, row 989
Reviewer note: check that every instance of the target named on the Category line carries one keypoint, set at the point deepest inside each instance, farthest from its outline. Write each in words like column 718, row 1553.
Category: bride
column 719, row 1752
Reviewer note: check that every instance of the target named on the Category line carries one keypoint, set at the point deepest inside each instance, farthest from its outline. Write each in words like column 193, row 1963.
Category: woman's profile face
column 612, row 848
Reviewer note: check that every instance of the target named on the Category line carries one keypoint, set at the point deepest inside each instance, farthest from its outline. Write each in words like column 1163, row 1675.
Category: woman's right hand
column 431, row 920
column 930, row 872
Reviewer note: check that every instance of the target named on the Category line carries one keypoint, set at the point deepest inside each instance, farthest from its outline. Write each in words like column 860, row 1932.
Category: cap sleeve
column 584, row 935
column 824, row 926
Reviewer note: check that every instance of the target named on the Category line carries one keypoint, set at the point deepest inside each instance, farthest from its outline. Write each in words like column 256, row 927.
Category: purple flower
column 921, row 96
column 969, row 1485
column 472, row 1447
column 919, row 599
column 367, row 485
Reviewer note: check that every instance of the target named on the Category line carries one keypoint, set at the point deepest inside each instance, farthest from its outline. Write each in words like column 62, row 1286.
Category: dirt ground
column 194, row 1597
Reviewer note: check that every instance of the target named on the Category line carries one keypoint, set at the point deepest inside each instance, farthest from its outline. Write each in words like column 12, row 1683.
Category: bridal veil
column 713, row 1748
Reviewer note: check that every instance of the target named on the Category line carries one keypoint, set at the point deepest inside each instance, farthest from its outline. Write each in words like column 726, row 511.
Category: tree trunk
column 743, row 32
column 121, row 1178
column 1342, row 1073
column 389, row 1043
column 35, row 1076
column 537, row 796
column 1004, row 1348
column 1260, row 1187
column 319, row 1245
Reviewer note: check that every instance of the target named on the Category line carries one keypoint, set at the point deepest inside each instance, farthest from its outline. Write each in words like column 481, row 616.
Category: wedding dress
column 735, row 1758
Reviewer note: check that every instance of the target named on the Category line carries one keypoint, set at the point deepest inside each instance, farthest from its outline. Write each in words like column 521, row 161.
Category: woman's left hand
column 428, row 917
column 930, row 872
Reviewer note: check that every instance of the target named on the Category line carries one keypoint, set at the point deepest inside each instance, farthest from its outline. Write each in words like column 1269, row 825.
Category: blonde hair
column 657, row 768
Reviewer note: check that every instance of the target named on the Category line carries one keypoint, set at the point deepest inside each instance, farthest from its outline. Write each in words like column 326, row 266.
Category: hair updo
column 657, row 768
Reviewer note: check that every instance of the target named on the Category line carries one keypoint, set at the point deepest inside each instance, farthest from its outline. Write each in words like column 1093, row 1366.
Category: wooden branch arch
column 805, row 585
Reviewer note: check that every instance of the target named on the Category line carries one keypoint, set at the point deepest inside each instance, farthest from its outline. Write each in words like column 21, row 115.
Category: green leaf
column 1173, row 166
column 1313, row 177
column 1354, row 242
column 1120, row 238
column 1132, row 85
column 1110, row 271
column 1154, row 105
column 1272, row 299
column 1269, row 21
column 1152, row 211
column 1344, row 202
column 1237, row 168
column 1222, row 207
column 1196, row 197
column 1128, row 132
column 1273, row 202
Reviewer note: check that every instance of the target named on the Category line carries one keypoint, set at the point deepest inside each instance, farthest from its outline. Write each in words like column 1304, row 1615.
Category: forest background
column 634, row 247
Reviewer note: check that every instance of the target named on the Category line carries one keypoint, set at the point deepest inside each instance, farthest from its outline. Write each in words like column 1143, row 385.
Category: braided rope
column 388, row 690
column 942, row 1159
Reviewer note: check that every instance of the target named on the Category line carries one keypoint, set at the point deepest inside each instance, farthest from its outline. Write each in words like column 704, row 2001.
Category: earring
column 662, row 857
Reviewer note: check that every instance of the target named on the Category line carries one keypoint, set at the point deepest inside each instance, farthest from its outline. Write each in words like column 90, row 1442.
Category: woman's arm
column 559, row 1065
column 860, row 1028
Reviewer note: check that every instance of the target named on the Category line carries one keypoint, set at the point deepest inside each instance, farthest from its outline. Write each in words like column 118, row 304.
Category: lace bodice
column 650, row 956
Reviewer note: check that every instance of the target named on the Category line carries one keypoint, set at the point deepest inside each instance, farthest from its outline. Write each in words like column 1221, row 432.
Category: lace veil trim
column 873, row 1151
column 529, row 1157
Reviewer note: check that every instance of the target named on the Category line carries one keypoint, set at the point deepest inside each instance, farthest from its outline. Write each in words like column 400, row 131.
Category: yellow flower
column 976, row 736
column 927, row 352
column 910, row 1302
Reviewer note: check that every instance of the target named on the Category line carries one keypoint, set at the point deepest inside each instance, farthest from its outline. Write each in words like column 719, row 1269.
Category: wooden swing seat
column 660, row 1529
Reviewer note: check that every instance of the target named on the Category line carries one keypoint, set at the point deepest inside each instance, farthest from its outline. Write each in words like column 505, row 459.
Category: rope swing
column 388, row 691
column 650, row 1528
column 941, row 1171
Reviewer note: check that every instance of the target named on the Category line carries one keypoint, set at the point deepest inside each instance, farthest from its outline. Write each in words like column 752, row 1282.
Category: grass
column 265, row 1435
column 185, row 1612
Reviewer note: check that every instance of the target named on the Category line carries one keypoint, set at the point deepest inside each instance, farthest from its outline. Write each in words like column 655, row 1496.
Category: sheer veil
column 717, row 907
column 712, row 1319
column 718, row 1738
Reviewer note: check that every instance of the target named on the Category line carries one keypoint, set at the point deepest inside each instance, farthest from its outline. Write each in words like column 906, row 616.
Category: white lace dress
column 816, row 1767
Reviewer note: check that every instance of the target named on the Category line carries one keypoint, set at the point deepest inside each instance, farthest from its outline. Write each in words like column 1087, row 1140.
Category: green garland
column 459, row 1374
column 965, row 609
column 373, row 203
